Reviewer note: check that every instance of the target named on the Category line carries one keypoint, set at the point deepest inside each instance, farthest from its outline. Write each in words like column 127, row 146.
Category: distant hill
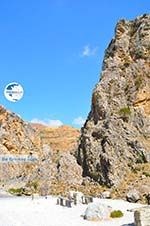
column 63, row 138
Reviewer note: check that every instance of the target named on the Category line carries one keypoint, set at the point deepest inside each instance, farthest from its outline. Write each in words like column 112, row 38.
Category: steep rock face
column 63, row 138
column 69, row 171
column 116, row 134
column 17, row 138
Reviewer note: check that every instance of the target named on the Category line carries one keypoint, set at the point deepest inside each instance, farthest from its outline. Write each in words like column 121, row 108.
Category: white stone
column 97, row 212
column 105, row 195
column 133, row 196
column 77, row 196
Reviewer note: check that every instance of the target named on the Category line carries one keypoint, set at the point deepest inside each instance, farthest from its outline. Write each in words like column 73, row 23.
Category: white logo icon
column 13, row 92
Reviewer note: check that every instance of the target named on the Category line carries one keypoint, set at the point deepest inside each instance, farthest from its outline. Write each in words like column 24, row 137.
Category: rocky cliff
column 63, row 144
column 20, row 139
column 61, row 138
column 17, row 139
column 116, row 135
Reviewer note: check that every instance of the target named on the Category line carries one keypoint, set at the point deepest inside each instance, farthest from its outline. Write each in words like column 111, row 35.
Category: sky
column 55, row 49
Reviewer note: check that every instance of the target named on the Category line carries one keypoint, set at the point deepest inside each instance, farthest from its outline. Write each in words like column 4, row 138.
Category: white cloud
column 48, row 122
column 79, row 121
column 88, row 51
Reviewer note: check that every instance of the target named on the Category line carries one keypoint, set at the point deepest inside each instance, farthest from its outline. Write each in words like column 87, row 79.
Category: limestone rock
column 105, row 195
column 63, row 138
column 116, row 134
column 17, row 138
column 97, row 212
column 133, row 196
column 20, row 138
column 142, row 216
column 68, row 170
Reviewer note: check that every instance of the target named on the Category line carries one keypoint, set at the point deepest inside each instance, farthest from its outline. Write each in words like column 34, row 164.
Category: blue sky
column 55, row 48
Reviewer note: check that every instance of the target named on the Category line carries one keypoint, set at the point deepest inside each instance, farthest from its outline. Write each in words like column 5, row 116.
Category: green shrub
column 94, row 175
column 16, row 191
column 125, row 113
column 141, row 158
column 116, row 214
column 140, row 54
column 146, row 174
